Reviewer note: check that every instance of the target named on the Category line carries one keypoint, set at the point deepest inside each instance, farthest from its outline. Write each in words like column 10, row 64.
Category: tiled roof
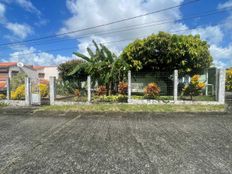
column 38, row 67
column 8, row 64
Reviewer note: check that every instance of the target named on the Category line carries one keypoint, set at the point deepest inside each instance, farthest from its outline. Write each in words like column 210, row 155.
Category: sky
column 23, row 20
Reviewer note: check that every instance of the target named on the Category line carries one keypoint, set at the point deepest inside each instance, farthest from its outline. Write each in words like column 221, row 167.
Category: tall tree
column 167, row 52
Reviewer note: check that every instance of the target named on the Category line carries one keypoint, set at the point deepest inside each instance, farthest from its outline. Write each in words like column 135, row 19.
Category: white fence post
column 206, row 83
column 89, row 88
column 129, row 86
column 52, row 90
column 28, row 91
column 8, row 92
column 221, row 86
column 175, row 92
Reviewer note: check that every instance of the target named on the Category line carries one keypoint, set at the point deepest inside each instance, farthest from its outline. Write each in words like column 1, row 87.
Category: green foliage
column 103, row 66
column 229, row 79
column 110, row 98
column 64, row 88
column 151, row 91
column 3, row 104
column 2, row 96
column 194, row 88
column 167, row 52
column 17, row 80
column 66, row 68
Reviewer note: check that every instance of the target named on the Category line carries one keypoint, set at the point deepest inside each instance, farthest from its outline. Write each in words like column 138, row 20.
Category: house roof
column 8, row 64
column 38, row 67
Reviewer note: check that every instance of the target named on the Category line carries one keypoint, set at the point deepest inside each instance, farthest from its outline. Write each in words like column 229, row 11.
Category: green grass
column 135, row 108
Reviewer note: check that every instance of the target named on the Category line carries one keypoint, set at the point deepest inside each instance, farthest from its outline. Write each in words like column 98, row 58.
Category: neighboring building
column 10, row 69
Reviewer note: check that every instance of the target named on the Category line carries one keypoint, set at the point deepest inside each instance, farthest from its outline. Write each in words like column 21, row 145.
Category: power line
column 141, row 26
column 101, row 25
column 109, row 42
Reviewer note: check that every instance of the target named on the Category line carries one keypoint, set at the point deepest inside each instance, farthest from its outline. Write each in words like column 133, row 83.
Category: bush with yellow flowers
column 152, row 90
column 19, row 93
column 229, row 80
column 194, row 88
column 43, row 88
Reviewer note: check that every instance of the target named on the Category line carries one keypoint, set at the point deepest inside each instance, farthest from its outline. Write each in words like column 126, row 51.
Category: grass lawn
column 136, row 108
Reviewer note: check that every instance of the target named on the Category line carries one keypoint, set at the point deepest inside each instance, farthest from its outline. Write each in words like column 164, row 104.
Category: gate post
column 89, row 88
column 52, row 91
column 175, row 92
column 221, row 86
column 8, row 92
column 28, row 91
column 129, row 86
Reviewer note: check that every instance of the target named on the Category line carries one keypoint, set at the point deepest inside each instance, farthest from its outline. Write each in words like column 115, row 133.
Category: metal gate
column 35, row 92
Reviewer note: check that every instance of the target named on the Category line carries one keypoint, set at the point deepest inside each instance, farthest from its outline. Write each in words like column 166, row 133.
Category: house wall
column 51, row 71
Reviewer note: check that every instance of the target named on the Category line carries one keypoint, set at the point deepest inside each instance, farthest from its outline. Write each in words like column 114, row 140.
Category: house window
column 14, row 73
column 41, row 75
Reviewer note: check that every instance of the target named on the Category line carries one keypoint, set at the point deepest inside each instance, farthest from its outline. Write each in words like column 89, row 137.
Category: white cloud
column 35, row 57
column 86, row 13
column 222, row 55
column 2, row 11
column 213, row 34
column 20, row 30
column 227, row 21
column 225, row 5
column 25, row 4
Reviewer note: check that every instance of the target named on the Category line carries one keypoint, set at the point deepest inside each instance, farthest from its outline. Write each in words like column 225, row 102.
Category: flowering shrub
column 122, row 88
column 229, row 79
column 2, row 96
column 194, row 88
column 19, row 93
column 151, row 90
column 43, row 90
column 101, row 90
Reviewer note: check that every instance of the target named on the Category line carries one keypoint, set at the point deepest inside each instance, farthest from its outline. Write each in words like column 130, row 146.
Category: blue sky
column 28, row 19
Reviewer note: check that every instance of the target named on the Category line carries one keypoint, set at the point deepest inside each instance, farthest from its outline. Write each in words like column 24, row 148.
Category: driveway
column 115, row 142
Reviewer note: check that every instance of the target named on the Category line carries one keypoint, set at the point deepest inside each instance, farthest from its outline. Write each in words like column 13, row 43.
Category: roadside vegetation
column 136, row 108
column 156, row 53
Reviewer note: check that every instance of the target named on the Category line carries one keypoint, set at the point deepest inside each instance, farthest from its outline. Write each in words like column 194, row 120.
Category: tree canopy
column 66, row 68
column 167, row 52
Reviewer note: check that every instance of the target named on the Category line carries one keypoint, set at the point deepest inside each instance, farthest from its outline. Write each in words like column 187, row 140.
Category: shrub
column 2, row 96
column 101, row 90
column 122, row 88
column 19, row 93
column 229, row 79
column 17, row 80
column 194, row 88
column 43, row 90
column 111, row 98
column 151, row 90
